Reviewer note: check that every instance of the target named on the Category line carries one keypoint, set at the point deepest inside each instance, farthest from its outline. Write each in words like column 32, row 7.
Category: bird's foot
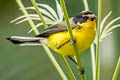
column 73, row 41
column 58, row 47
column 82, row 71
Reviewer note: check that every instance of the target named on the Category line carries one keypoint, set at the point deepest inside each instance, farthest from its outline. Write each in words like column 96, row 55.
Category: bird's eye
column 85, row 18
column 80, row 19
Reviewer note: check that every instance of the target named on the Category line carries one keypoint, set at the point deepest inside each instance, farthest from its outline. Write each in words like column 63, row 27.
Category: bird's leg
column 72, row 59
column 73, row 41
column 80, row 71
column 59, row 46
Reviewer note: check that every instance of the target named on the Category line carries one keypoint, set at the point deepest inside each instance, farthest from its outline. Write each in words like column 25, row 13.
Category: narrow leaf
column 105, row 35
column 43, row 11
column 111, row 28
column 39, row 24
column 59, row 11
column 113, row 21
column 24, row 16
column 25, row 19
column 51, row 10
column 104, row 20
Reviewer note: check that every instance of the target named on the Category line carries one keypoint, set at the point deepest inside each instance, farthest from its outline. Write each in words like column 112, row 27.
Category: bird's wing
column 60, row 27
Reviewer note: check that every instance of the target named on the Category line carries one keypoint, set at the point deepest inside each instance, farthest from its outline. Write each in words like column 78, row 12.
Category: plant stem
column 86, row 5
column 45, row 26
column 55, row 63
column 68, row 68
column 117, row 70
column 72, row 38
column 39, row 13
column 20, row 4
column 92, row 48
column 98, row 41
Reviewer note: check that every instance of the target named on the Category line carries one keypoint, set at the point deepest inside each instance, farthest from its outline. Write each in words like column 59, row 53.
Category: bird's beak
column 93, row 17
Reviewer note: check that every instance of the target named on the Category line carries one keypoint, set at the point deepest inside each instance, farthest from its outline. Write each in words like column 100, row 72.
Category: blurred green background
column 32, row 63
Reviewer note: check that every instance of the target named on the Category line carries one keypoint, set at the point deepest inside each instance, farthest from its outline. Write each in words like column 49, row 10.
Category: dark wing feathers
column 60, row 27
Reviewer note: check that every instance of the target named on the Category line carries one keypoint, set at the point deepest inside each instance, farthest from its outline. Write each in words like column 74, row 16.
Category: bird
column 57, row 36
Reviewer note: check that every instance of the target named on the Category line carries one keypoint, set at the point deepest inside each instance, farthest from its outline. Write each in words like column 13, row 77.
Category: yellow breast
column 84, row 38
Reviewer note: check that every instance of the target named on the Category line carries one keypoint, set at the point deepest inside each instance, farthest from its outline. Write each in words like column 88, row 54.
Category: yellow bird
column 57, row 37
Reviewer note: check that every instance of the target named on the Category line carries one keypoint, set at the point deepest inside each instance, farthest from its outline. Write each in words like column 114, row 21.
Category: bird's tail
column 25, row 41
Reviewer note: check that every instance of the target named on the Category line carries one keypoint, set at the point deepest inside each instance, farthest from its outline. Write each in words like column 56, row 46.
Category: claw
column 73, row 41
column 81, row 71
column 58, row 47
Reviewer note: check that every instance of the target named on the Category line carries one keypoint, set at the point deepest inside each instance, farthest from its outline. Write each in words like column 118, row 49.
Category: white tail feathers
column 30, row 44
column 27, row 41
column 25, row 38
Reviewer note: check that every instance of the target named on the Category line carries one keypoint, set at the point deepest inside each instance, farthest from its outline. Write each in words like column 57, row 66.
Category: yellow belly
column 83, row 41
column 84, row 38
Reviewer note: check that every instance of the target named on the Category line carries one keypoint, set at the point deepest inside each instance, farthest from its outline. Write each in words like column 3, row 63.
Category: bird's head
column 84, row 17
